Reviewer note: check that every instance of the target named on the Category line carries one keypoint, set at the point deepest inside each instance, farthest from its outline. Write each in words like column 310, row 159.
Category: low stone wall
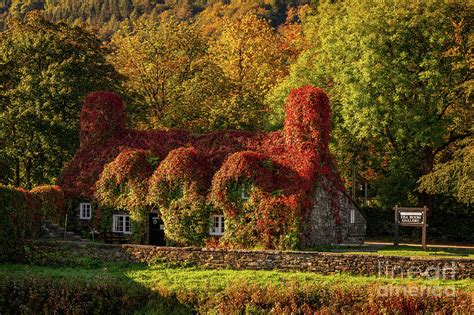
column 319, row 262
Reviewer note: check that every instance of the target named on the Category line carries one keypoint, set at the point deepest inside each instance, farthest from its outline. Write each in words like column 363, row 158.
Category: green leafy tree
column 400, row 77
column 248, row 52
column 455, row 176
column 171, row 78
column 45, row 71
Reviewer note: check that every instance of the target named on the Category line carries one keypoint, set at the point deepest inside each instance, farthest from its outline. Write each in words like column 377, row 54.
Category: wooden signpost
column 415, row 217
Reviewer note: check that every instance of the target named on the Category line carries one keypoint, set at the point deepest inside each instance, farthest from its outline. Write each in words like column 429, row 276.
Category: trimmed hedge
column 50, row 201
column 15, row 223
column 20, row 214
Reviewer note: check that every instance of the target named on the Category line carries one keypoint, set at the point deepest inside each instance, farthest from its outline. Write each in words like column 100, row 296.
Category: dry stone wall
column 319, row 262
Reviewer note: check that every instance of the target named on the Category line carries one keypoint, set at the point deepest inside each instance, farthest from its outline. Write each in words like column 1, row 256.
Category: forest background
column 399, row 76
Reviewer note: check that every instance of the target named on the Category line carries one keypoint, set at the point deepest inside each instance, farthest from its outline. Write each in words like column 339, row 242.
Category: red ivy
column 126, row 175
column 293, row 160
column 184, row 165
column 102, row 117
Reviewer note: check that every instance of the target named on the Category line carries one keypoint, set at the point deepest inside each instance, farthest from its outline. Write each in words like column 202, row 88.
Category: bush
column 297, row 298
column 20, row 214
column 15, row 222
column 41, row 295
column 50, row 202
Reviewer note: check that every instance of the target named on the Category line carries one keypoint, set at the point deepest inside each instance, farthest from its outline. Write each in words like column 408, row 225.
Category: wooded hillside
column 105, row 15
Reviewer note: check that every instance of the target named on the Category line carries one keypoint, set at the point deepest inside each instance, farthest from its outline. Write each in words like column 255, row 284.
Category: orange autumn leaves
column 178, row 77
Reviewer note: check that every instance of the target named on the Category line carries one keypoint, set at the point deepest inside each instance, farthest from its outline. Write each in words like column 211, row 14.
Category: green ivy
column 186, row 216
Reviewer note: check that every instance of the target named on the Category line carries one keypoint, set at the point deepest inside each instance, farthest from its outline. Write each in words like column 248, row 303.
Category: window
column 217, row 227
column 244, row 191
column 121, row 224
column 353, row 217
column 85, row 211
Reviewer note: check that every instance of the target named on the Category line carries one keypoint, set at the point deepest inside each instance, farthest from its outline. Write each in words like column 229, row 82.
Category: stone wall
column 324, row 263
column 319, row 224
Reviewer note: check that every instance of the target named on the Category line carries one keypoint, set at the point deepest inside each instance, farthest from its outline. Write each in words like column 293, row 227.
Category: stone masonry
column 319, row 262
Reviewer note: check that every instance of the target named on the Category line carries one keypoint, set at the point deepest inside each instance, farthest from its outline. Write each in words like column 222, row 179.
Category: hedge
column 15, row 222
column 20, row 214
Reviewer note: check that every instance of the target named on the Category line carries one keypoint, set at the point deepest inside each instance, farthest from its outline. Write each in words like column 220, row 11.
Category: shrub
column 178, row 188
column 21, row 212
column 296, row 298
column 15, row 222
column 51, row 204
column 36, row 295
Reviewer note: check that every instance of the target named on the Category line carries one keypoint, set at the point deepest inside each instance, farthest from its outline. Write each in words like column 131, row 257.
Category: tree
column 454, row 177
column 399, row 78
column 248, row 52
column 45, row 71
column 170, row 76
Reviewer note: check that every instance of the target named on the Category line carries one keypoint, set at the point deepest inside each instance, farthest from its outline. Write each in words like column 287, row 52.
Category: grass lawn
column 215, row 280
column 402, row 250
column 432, row 252
column 185, row 290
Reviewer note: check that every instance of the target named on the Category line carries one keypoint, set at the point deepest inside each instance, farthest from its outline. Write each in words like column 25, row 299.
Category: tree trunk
column 28, row 166
column 17, row 173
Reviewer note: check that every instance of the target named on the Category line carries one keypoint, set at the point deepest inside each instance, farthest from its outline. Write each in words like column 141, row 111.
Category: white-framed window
column 85, row 211
column 121, row 224
column 353, row 216
column 217, row 225
column 244, row 191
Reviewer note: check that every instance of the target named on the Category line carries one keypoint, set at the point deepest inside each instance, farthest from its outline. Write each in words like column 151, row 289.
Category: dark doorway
column 157, row 230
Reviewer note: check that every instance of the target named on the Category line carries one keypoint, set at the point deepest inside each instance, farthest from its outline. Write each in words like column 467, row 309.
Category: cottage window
column 85, row 211
column 244, row 191
column 352, row 219
column 217, row 227
column 121, row 224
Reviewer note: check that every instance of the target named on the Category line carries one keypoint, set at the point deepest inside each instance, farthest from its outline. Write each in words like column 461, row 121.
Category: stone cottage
column 240, row 189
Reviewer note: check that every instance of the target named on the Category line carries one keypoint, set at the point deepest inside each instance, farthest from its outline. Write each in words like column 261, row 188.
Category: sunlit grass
column 413, row 251
column 191, row 278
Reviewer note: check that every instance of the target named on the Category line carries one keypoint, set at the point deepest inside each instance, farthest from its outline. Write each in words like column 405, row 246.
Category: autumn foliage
column 196, row 175
column 178, row 188
column 21, row 213
column 102, row 117
column 49, row 202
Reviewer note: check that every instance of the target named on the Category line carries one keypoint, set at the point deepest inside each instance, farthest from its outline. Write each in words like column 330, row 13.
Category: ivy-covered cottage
column 234, row 188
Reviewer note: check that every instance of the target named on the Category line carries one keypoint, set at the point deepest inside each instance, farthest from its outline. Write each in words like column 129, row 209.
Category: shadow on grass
column 160, row 306
column 75, row 279
column 64, row 290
